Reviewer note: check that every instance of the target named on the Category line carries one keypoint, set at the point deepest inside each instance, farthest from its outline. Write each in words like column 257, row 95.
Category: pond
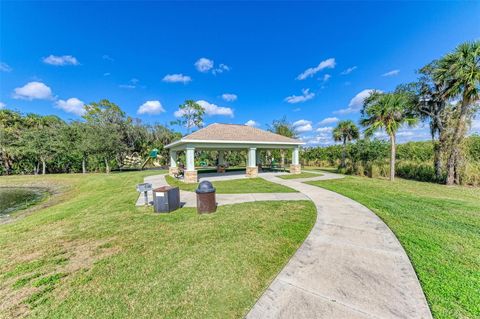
column 16, row 198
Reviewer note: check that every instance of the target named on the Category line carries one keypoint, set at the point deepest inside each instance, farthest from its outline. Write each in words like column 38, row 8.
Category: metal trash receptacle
column 166, row 199
column 206, row 202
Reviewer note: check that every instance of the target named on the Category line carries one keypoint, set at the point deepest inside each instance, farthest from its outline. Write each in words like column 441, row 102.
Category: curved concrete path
column 189, row 199
column 350, row 266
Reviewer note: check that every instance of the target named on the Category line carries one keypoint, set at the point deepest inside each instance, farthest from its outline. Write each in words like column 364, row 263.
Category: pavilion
column 224, row 137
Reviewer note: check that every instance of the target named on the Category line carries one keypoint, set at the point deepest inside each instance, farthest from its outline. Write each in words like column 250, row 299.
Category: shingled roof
column 236, row 133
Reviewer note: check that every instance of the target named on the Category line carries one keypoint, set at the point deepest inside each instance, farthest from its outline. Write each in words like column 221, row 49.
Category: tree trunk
column 44, row 167
column 457, row 168
column 84, row 168
column 437, row 160
column 454, row 155
column 392, row 157
column 344, row 154
column 107, row 168
column 37, row 168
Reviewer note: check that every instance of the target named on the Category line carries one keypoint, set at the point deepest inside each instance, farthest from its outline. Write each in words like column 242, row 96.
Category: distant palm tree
column 387, row 111
column 459, row 72
column 345, row 132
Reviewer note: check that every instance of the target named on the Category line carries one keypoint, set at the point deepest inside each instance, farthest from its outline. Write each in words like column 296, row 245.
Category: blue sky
column 244, row 61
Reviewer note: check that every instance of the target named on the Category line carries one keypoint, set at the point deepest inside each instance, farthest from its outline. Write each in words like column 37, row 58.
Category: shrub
column 424, row 172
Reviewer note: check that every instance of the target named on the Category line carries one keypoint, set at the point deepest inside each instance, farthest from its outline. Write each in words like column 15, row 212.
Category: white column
column 295, row 156
column 252, row 158
column 190, row 154
column 221, row 158
column 173, row 158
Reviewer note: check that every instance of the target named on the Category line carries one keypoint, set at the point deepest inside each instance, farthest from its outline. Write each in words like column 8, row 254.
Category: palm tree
column 345, row 132
column 459, row 72
column 387, row 111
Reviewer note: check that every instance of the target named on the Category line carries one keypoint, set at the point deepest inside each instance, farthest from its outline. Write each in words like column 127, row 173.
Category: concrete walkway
column 189, row 199
column 350, row 266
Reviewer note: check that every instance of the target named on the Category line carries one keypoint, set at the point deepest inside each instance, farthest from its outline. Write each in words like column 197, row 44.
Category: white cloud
column 349, row 70
column 2, row 105
column 132, row 84
column 323, row 137
column 325, row 129
column 210, row 109
column 356, row 103
column 328, row 120
column 306, row 95
column 475, row 127
column 302, row 126
column 329, row 63
column 297, row 109
column 107, row 57
column 326, row 77
column 61, row 60
column 204, row 65
column 72, row 105
column 151, row 107
column 391, row 73
column 251, row 123
column 229, row 97
column 33, row 90
column 106, row 74
column 221, row 68
column 178, row 77
column 5, row 67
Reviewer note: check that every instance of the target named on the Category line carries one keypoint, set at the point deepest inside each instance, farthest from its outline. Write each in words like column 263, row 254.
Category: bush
column 423, row 172
column 471, row 174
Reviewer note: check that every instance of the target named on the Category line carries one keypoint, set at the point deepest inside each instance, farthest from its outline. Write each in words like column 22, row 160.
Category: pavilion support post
column 221, row 162
column 295, row 167
column 190, row 174
column 252, row 169
column 221, row 157
column 173, row 169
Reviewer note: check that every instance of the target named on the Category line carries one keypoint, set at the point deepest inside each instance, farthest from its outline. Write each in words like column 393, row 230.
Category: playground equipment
column 152, row 157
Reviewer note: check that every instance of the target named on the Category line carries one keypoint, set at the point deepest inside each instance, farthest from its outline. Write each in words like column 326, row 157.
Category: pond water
column 17, row 198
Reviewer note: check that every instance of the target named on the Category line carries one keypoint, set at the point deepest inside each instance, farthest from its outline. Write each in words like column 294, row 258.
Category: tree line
column 446, row 96
column 34, row 144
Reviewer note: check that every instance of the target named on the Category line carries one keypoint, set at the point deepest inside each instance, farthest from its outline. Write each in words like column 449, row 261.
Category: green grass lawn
column 236, row 186
column 438, row 226
column 297, row 176
column 321, row 169
column 93, row 254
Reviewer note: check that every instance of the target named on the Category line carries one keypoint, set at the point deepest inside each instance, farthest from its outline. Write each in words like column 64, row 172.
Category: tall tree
column 345, row 132
column 11, row 127
column 191, row 115
column 283, row 127
column 41, row 138
column 459, row 73
column 387, row 111
column 107, row 137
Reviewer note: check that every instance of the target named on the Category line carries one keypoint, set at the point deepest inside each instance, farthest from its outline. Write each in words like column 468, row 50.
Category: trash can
column 206, row 202
column 166, row 199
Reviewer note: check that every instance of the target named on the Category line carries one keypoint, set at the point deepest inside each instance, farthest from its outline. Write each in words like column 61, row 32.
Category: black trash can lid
column 205, row 187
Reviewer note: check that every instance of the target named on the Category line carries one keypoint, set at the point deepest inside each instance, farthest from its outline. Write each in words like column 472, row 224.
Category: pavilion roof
column 218, row 133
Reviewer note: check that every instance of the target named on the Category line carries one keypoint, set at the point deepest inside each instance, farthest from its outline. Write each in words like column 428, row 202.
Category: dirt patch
column 44, row 277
